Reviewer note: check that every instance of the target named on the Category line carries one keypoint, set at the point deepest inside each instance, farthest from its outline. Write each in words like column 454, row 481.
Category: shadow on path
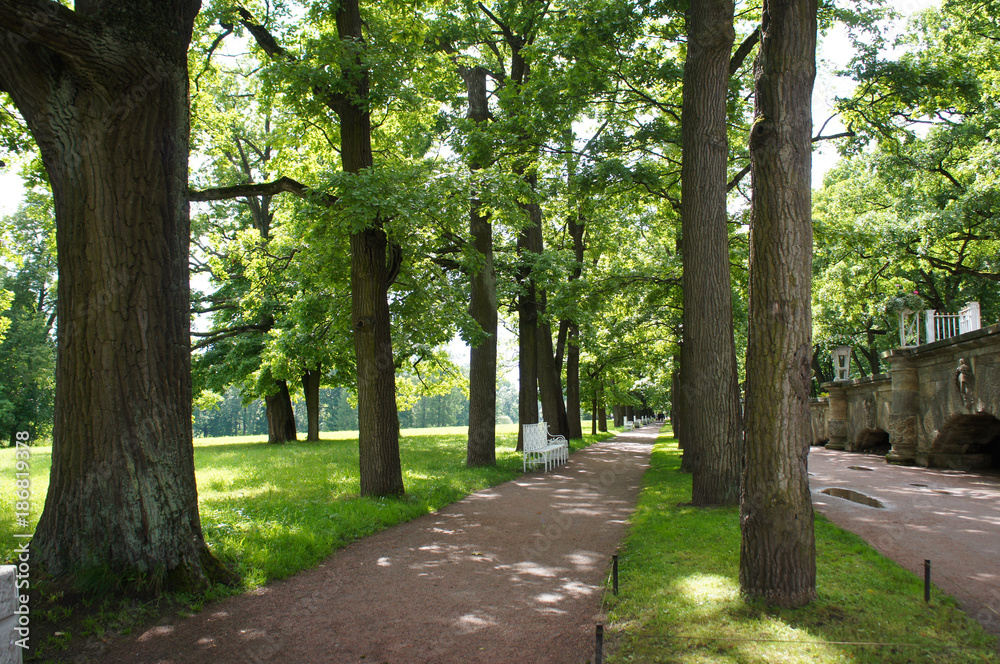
column 510, row 573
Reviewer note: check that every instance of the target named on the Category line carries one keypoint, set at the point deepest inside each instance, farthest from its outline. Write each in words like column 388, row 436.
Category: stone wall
column 938, row 406
column 951, row 420
column 869, row 402
column 818, row 409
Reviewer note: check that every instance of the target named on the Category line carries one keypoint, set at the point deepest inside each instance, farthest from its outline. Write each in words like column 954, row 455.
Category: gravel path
column 949, row 517
column 511, row 573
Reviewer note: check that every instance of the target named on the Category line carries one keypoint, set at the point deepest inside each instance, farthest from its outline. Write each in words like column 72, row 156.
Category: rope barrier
column 970, row 594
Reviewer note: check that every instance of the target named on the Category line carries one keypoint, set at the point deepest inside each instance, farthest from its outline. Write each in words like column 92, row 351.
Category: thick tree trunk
column 108, row 108
column 778, row 550
column 549, row 385
column 310, row 388
column 713, row 430
column 483, row 364
column 528, row 240
column 573, row 383
column 593, row 414
column 572, row 335
column 378, row 418
column 481, row 448
column 280, row 415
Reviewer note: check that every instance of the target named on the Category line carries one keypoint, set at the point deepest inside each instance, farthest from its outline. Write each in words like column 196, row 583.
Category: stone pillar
column 836, row 419
column 9, row 620
column 904, row 419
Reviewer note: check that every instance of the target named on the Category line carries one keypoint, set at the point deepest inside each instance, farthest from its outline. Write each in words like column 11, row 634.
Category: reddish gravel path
column 509, row 574
column 949, row 517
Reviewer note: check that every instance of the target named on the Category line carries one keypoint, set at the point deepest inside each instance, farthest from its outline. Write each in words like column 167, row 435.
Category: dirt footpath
column 951, row 518
column 512, row 573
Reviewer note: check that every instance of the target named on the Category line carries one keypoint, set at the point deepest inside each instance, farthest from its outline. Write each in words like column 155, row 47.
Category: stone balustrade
column 936, row 407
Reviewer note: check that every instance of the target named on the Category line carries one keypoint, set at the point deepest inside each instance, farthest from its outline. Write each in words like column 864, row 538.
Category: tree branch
column 228, row 27
column 333, row 100
column 263, row 37
column 941, row 170
column 737, row 178
column 513, row 41
column 57, row 28
column 284, row 184
column 219, row 335
column 743, row 51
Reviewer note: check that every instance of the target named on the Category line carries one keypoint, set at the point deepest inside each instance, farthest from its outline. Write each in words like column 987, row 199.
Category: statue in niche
column 870, row 412
column 965, row 382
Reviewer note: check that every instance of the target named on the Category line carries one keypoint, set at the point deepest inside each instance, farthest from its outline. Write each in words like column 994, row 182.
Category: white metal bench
column 562, row 451
column 540, row 447
column 627, row 425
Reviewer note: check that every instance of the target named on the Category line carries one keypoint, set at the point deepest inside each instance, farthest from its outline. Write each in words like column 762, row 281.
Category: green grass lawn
column 679, row 595
column 273, row 510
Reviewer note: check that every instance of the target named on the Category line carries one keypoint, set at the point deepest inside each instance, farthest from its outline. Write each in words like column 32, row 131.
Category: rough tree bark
column 529, row 240
column 549, row 383
column 593, row 413
column 103, row 90
column 573, row 409
column 311, row 379
column 280, row 415
column 710, row 385
column 602, row 412
column 371, row 275
column 778, row 550
column 481, row 448
column 576, row 228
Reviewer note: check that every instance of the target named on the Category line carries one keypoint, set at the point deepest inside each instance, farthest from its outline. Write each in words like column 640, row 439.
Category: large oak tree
column 481, row 448
column 375, row 260
column 709, row 381
column 778, row 549
column 103, row 90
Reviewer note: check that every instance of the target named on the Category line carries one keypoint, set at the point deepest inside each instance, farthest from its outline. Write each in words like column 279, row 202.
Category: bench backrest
column 535, row 436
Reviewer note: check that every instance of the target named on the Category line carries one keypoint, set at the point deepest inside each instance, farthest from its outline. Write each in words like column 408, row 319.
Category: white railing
column 909, row 328
column 944, row 326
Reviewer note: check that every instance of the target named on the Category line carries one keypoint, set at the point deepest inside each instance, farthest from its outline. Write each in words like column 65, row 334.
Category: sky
column 835, row 52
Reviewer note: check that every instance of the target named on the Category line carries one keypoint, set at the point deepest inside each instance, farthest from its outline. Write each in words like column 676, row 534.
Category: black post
column 614, row 573
column 927, row 580
column 599, row 647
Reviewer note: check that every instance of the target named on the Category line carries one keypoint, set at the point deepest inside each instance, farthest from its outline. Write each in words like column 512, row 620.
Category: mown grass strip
column 679, row 596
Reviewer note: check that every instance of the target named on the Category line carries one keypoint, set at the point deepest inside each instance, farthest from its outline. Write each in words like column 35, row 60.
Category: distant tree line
column 229, row 415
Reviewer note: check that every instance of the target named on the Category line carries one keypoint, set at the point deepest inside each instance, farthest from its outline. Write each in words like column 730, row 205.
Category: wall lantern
column 841, row 363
